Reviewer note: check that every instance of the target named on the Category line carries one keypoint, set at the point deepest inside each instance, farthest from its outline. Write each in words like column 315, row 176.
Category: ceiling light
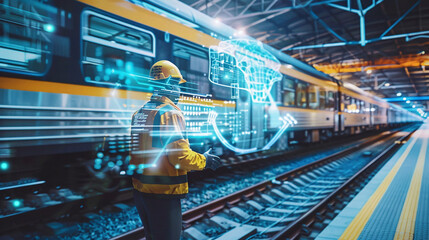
column 217, row 20
column 404, row 98
column 414, row 106
column 368, row 71
column 240, row 32
column 387, row 84
column 399, row 94
column 408, row 101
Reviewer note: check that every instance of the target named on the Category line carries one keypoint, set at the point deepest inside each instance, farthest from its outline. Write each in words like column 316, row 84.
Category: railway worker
column 161, row 157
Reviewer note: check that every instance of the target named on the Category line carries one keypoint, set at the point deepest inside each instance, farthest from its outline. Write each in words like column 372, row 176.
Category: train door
column 371, row 115
column 340, row 110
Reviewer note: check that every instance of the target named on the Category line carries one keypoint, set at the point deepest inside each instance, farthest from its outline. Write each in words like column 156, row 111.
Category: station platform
column 395, row 202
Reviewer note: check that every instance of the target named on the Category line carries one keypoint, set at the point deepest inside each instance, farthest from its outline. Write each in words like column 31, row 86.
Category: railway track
column 38, row 201
column 75, row 204
column 287, row 205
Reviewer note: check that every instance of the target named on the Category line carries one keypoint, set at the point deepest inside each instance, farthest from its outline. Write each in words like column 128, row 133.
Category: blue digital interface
column 244, row 64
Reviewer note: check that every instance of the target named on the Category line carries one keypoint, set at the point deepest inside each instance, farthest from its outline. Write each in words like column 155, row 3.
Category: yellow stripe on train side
column 307, row 110
column 75, row 89
column 364, row 98
column 66, row 88
column 328, row 85
column 141, row 15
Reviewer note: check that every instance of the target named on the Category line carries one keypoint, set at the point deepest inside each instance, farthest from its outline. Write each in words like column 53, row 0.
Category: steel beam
column 265, row 18
column 247, row 7
column 271, row 11
column 390, row 63
column 221, row 8
column 326, row 26
column 400, row 19
column 407, row 37
column 401, row 99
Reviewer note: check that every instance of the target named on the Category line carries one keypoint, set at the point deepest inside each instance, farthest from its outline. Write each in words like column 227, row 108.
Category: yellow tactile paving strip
column 357, row 225
column 405, row 228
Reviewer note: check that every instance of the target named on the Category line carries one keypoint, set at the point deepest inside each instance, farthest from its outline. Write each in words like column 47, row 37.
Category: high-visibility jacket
column 160, row 152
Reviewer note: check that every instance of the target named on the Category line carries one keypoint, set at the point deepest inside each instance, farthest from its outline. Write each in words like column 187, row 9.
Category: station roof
column 382, row 46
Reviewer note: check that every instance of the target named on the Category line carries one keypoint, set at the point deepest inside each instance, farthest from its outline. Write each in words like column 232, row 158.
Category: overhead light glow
column 217, row 20
column 49, row 28
column 414, row 106
column 16, row 203
column 399, row 94
column 387, row 84
column 240, row 32
column 368, row 71
column 408, row 101
column 4, row 166
column 404, row 98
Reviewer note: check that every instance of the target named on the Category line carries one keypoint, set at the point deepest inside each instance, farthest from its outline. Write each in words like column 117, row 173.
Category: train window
column 301, row 95
column 110, row 32
column 362, row 107
column 289, row 92
column 194, row 66
column 115, row 52
column 351, row 108
column 26, row 32
column 330, row 103
column 313, row 96
column 346, row 103
column 322, row 98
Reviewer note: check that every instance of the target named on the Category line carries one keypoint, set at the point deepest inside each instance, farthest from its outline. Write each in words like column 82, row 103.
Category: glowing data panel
column 244, row 64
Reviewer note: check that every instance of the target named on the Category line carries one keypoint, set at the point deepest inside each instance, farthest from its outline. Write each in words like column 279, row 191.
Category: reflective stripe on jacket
column 160, row 150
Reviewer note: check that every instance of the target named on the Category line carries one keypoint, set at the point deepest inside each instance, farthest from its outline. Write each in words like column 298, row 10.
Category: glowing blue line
column 276, row 137
column 287, row 120
column 228, row 145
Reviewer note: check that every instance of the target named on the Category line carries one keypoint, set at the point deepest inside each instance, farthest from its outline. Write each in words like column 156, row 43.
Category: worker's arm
column 178, row 151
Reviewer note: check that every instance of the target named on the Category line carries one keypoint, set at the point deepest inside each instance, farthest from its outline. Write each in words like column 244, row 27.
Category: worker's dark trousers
column 161, row 218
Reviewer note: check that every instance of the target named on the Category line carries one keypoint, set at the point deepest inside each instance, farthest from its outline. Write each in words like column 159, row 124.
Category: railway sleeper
column 241, row 232
column 194, row 234
column 289, row 186
column 239, row 213
column 255, row 205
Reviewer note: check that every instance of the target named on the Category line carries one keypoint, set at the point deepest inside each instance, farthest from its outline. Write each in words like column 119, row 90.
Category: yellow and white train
column 73, row 72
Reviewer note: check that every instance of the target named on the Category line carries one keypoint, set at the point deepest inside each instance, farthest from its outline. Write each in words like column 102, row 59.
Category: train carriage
column 72, row 74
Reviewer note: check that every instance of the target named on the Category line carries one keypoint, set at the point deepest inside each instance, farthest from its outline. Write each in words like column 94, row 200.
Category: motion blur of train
column 72, row 73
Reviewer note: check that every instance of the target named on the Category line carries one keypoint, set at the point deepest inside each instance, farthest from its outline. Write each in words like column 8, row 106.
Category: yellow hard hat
column 164, row 69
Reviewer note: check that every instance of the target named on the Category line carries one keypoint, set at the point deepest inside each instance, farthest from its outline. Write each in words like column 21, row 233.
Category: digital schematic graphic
column 233, row 61
column 247, row 69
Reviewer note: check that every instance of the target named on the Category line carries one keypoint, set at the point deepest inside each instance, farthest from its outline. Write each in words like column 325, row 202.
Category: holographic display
column 233, row 61
column 247, row 69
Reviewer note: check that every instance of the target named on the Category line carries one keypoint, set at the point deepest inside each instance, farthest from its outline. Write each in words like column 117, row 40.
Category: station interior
column 214, row 119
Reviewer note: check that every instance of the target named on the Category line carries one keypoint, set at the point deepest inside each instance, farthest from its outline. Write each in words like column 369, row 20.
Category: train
column 72, row 73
